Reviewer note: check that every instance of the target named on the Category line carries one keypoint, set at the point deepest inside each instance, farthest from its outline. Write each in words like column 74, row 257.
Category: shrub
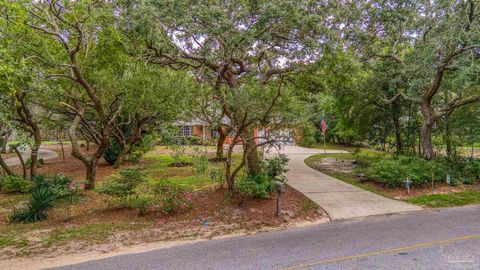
column 62, row 186
column 276, row 166
column 142, row 203
column 472, row 168
column 13, row 183
column 147, row 143
column 259, row 185
column 172, row 197
column 217, row 175
column 388, row 172
column 200, row 161
column 124, row 185
column 41, row 201
column 468, row 181
column 113, row 152
column 178, row 153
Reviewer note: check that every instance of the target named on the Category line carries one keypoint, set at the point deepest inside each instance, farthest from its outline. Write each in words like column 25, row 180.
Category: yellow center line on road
column 382, row 251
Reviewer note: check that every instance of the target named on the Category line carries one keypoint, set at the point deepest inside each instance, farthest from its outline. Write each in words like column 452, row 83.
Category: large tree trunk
column 22, row 162
column 91, row 173
column 222, row 136
column 90, row 162
column 34, row 153
column 426, row 130
column 253, row 161
column 398, row 134
column 426, row 141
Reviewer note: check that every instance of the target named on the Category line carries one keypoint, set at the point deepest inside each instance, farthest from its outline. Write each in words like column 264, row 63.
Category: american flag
column 324, row 125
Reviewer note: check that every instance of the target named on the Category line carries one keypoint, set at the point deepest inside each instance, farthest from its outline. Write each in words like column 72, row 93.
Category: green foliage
column 178, row 152
column 142, row 203
column 13, row 183
column 259, row 185
column 42, row 199
column 171, row 197
column 62, row 186
column 146, row 144
column 200, row 161
column 307, row 136
column 387, row 172
column 392, row 172
column 446, row 200
column 113, row 152
column 276, row 166
column 217, row 175
column 124, row 185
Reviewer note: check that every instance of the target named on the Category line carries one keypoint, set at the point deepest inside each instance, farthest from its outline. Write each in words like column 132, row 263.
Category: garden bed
column 95, row 226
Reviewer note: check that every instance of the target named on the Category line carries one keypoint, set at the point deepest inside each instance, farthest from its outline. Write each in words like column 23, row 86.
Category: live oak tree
column 151, row 99
column 434, row 44
column 71, row 32
column 20, row 88
column 229, row 45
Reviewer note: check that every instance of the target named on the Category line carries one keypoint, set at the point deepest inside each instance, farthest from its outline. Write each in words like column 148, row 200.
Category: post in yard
column 281, row 188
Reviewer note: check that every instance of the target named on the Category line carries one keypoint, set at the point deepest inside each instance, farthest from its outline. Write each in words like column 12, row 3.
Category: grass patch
column 6, row 241
column 350, row 148
column 447, row 200
column 9, row 241
column 157, row 168
column 89, row 232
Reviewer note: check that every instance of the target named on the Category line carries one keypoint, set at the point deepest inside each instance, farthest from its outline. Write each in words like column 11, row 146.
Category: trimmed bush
column 113, row 152
column 171, row 197
column 142, row 203
column 387, row 172
column 124, row 185
column 259, row 186
column 276, row 166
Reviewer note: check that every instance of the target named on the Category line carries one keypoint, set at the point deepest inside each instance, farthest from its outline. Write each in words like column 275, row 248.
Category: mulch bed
column 213, row 214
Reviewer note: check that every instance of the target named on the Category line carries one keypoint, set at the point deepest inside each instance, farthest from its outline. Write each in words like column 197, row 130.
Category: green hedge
column 392, row 172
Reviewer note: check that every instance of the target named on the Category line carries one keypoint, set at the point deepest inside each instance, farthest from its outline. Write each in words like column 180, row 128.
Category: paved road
column 339, row 199
column 45, row 154
column 430, row 239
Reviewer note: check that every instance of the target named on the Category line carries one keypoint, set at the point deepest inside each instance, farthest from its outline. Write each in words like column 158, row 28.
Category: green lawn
column 447, row 200
column 350, row 148
column 157, row 168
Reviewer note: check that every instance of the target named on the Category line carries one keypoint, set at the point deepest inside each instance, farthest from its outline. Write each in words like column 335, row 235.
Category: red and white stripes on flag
column 324, row 125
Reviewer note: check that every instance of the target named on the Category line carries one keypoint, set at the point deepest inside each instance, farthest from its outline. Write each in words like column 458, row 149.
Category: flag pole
column 324, row 143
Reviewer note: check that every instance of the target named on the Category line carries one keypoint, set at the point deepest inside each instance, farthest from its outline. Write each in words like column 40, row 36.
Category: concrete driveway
column 44, row 154
column 339, row 199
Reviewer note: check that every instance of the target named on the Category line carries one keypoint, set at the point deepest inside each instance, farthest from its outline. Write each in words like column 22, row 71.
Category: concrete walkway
column 44, row 154
column 339, row 199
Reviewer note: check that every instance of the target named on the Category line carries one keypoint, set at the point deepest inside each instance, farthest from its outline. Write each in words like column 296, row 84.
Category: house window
column 185, row 131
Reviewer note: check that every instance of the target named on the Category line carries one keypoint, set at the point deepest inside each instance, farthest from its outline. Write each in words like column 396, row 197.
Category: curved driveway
column 339, row 199
column 44, row 154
